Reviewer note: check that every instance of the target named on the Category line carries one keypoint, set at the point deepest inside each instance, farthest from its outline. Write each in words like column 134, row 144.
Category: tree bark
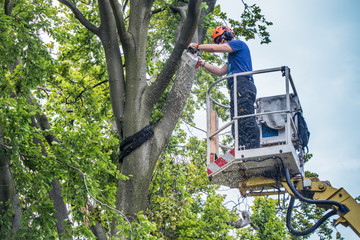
column 9, row 200
column 109, row 39
column 61, row 212
column 99, row 231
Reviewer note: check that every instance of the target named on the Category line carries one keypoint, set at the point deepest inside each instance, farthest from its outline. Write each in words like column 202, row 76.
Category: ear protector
column 228, row 35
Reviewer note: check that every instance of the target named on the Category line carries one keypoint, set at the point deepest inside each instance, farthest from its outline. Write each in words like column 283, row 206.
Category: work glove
column 193, row 47
column 200, row 63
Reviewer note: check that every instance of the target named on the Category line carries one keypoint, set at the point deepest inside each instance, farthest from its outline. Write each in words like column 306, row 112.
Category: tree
column 183, row 203
column 269, row 225
column 132, row 99
column 113, row 63
column 24, row 60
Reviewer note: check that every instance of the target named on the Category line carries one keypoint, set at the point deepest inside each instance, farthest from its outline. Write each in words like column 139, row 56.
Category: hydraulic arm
column 310, row 190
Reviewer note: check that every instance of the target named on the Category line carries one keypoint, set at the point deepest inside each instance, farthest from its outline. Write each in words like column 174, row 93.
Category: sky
column 320, row 42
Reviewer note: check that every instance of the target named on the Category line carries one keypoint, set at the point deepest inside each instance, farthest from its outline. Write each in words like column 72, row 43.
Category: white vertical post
column 288, row 114
column 208, row 125
column 236, row 123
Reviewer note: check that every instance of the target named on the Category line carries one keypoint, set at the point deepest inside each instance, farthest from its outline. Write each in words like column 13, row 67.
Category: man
column 239, row 60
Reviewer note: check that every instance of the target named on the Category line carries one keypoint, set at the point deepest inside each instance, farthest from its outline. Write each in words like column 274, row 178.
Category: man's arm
column 223, row 48
column 218, row 71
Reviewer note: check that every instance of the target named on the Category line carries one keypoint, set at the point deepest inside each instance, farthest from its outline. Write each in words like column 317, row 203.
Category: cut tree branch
column 187, row 31
column 175, row 100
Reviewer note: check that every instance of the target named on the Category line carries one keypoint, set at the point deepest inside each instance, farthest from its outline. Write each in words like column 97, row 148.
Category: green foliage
column 69, row 90
column 183, row 203
column 270, row 221
column 252, row 23
column 265, row 218
column 141, row 230
column 308, row 156
column 22, row 52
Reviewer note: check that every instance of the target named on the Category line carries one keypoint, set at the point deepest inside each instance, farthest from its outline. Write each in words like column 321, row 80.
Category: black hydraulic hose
column 342, row 208
column 309, row 230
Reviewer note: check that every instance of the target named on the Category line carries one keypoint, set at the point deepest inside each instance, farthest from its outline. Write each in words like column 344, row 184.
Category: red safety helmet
column 222, row 32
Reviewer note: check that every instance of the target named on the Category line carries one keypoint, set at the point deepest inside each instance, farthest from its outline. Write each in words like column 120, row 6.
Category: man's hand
column 200, row 63
column 193, row 47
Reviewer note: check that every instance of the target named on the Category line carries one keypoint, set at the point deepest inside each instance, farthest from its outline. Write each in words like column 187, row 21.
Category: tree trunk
column 61, row 212
column 132, row 195
column 9, row 200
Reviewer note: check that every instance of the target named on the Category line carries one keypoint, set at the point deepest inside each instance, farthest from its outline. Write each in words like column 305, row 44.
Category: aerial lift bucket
column 279, row 146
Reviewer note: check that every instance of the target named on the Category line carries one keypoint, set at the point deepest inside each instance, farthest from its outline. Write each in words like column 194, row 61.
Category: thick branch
column 119, row 19
column 55, row 194
column 174, row 104
column 43, row 122
column 80, row 16
column 7, row 191
column 182, row 11
column 135, row 57
column 8, row 7
column 109, row 39
column 156, row 11
column 201, row 29
column 59, row 205
column 7, row 186
column 190, row 24
column 97, row 229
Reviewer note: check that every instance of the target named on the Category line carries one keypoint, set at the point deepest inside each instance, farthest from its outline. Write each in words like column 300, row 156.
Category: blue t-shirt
column 240, row 59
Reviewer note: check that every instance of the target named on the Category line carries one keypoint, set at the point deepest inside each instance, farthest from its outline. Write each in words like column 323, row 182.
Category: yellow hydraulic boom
column 317, row 192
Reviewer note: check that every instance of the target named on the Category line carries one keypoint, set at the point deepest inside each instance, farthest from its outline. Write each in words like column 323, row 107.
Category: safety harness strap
column 133, row 142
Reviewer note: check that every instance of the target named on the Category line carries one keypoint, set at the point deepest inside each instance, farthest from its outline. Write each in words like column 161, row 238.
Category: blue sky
column 320, row 42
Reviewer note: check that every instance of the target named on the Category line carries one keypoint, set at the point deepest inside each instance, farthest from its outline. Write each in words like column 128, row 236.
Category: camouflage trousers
column 248, row 129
